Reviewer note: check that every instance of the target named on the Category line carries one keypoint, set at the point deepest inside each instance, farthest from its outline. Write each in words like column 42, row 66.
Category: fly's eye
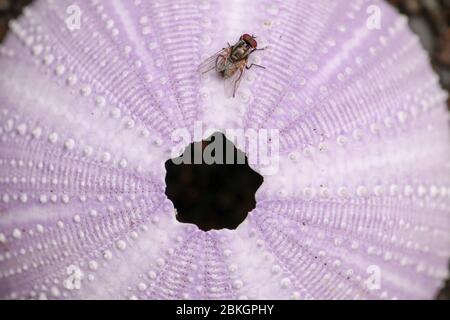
column 249, row 40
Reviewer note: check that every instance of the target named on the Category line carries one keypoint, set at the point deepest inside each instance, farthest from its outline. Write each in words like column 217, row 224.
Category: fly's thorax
column 240, row 52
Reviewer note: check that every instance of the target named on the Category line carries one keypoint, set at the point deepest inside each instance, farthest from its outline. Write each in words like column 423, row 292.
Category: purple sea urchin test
column 91, row 93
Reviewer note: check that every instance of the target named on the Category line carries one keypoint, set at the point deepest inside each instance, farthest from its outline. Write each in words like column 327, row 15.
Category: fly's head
column 249, row 40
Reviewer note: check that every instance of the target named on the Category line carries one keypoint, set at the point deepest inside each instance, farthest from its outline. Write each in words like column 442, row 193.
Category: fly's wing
column 232, row 83
column 211, row 62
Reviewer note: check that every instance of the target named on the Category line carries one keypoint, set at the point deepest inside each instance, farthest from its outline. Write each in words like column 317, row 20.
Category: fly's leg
column 254, row 64
column 260, row 49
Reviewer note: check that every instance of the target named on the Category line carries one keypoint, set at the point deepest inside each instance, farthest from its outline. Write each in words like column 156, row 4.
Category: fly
column 231, row 62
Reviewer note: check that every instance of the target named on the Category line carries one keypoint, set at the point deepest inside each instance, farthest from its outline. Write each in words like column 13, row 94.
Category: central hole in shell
column 211, row 184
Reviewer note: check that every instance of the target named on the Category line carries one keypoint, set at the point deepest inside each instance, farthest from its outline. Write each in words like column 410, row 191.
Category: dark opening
column 212, row 194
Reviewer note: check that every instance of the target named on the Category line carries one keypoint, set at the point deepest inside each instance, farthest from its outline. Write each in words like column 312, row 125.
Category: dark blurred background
column 430, row 19
column 10, row 9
